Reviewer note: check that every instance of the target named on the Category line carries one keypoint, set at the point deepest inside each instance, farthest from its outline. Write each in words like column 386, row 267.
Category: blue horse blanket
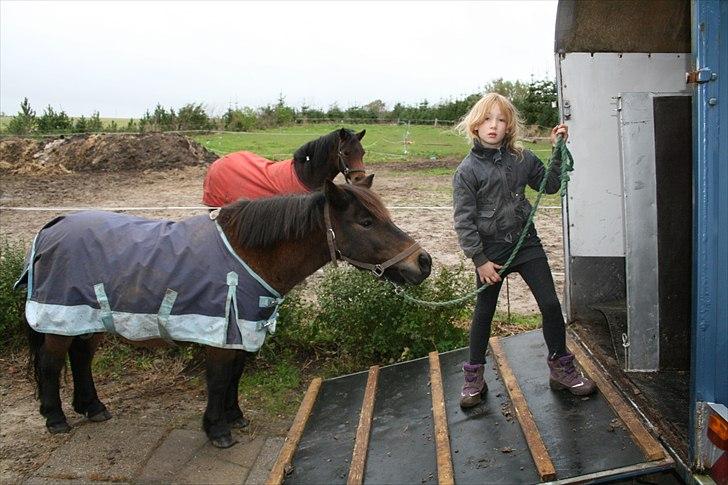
column 98, row 271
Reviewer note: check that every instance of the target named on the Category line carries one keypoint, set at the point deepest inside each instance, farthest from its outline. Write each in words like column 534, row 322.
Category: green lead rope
column 567, row 165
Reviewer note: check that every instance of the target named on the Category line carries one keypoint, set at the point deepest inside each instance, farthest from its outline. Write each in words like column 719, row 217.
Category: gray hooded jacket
column 489, row 203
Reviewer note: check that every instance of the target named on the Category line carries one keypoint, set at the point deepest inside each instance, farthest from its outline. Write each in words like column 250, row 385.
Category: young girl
column 490, row 211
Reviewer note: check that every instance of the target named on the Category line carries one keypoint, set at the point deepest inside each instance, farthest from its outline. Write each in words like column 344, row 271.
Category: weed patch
column 12, row 302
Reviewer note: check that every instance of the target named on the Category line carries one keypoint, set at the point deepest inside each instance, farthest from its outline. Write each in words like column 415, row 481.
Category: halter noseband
column 344, row 168
column 377, row 269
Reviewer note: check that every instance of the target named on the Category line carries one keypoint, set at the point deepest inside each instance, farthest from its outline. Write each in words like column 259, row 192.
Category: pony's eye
column 366, row 223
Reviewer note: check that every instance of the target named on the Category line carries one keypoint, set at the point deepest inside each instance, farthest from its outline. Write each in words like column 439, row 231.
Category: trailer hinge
column 702, row 75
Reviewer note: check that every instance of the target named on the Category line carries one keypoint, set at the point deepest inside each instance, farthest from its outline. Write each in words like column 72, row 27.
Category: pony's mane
column 318, row 150
column 264, row 222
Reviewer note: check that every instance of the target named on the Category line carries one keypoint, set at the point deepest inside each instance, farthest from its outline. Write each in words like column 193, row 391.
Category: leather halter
column 377, row 269
column 344, row 168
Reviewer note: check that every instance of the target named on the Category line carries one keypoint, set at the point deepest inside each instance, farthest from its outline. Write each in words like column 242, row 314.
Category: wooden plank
column 640, row 434
column 540, row 454
column 361, row 444
column 445, row 475
column 283, row 462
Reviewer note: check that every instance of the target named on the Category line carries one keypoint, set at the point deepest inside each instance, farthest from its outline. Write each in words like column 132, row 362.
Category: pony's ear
column 344, row 134
column 361, row 134
column 335, row 196
column 366, row 181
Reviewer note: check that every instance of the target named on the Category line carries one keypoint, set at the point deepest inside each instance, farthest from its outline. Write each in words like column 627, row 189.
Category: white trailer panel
column 589, row 86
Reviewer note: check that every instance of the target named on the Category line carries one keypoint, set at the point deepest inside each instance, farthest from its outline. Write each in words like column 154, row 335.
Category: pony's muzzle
column 357, row 176
column 414, row 269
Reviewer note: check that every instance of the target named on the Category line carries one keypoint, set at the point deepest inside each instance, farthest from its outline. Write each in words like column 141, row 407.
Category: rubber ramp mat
column 402, row 424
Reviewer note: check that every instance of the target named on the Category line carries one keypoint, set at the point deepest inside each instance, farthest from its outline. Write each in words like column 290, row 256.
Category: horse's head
column 324, row 158
column 351, row 155
column 361, row 232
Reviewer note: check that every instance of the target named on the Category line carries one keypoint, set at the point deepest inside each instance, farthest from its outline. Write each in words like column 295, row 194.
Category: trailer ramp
column 402, row 424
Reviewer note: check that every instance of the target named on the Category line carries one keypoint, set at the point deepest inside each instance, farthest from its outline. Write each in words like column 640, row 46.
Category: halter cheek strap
column 344, row 168
column 377, row 269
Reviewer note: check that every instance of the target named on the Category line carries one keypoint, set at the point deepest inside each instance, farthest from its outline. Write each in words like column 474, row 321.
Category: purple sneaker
column 565, row 376
column 474, row 387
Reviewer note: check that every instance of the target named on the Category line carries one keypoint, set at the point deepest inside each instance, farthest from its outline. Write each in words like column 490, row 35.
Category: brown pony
column 283, row 240
column 246, row 175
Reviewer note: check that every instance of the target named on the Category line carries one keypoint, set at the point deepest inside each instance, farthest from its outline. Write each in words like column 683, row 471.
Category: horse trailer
column 644, row 89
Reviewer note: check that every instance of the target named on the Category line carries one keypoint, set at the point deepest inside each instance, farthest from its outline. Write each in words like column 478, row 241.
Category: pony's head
column 324, row 158
column 362, row 233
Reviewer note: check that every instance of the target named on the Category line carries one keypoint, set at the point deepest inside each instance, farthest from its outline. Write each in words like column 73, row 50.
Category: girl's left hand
column 562, row 130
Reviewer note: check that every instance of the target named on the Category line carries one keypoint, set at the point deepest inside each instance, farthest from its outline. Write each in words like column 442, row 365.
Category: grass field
column 383, row 143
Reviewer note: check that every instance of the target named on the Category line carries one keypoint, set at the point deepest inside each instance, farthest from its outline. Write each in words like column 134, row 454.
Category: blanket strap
column 165, row 309
column 107, row 318
column 231, row 302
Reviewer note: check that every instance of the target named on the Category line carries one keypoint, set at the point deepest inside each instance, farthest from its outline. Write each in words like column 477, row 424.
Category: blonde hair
column 477, row 114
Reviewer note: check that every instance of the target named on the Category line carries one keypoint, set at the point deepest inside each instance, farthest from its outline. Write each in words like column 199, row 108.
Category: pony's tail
column 35, row 342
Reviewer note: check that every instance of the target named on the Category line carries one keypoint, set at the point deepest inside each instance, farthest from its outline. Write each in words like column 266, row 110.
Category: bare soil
column 158, row 171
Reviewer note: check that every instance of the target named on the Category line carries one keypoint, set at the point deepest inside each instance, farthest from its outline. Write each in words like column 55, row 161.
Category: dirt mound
column 101, row 153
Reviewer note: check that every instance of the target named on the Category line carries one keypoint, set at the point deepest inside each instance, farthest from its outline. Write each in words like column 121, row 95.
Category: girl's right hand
column 488, row 273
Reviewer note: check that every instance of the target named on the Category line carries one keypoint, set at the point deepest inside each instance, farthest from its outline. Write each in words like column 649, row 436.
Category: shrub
column 239, row 119
column 25, row 121
column 360, row 319
column 52, row 122
column 12, row 258
column 193, row 117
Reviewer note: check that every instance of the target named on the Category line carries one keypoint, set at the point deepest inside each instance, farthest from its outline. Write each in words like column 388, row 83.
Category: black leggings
column 537, row 275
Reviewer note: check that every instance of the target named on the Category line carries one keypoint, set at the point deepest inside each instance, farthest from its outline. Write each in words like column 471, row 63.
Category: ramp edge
column 650, row 447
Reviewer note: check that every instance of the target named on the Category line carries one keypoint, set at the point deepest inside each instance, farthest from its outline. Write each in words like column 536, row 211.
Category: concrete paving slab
column 244, row 453
column 267, row 457
column 205, row 468
column 171, row 456
column 192, row 422
column 113, row 450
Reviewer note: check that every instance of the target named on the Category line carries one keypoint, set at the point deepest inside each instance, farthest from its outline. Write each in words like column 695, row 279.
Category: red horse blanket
column 249, row 176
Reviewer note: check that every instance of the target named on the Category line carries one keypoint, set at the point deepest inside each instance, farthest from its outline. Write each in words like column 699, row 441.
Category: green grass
column 274, row 388
column 528, row 321
column 383, row 143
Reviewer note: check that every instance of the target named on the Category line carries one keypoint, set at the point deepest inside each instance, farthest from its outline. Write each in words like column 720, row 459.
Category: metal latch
column 567, row 109
column 700, row 76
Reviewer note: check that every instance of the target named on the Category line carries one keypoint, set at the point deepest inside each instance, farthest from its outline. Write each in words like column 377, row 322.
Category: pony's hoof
column 102, row 415
column 240, row 423
column 223, row 441
column 58, row 428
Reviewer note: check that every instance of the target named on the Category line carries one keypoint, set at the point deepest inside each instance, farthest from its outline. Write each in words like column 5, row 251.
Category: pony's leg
column 233, row 413
column 85, row 399
column 49, row 361
column 219, row 370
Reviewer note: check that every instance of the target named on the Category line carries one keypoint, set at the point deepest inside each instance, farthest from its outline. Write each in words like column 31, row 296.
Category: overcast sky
column 121, row 58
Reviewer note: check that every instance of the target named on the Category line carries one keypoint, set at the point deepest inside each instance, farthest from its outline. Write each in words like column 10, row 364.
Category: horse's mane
column 267, row 221
column 318, row 150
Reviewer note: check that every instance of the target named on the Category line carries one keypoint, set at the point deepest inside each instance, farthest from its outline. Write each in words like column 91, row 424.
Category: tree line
column 535, row 100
